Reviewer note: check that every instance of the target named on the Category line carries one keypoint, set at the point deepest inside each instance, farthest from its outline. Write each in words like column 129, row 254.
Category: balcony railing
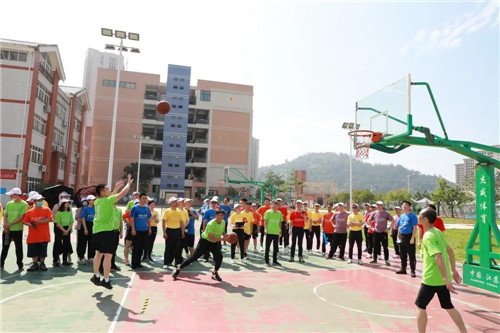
column 198, row 141
column 47, row 74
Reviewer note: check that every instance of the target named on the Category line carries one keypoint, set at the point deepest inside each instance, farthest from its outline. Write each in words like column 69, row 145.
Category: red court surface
column 318, row 295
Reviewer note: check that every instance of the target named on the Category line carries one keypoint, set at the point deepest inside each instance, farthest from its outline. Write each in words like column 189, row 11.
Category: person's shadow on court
column 228, row 287
column 109, row 307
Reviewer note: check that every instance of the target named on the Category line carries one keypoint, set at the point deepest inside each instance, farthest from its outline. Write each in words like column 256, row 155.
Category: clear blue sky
column 308, row 61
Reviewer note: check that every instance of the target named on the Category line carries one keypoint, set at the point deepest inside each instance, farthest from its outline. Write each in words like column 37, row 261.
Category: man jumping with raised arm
column 103, row 239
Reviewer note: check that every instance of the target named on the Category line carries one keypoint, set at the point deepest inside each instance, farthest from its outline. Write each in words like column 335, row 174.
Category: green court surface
column 318, row 295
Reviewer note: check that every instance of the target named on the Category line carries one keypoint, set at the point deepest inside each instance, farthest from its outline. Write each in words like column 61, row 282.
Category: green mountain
column 335, row 167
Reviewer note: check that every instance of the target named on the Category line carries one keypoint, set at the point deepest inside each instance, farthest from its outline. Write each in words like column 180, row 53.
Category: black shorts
column 247, row 237
column 189, row 239
column 104, row 242
column 255, row 231
column 37, row 250
column 128, row 234
column 426, row 294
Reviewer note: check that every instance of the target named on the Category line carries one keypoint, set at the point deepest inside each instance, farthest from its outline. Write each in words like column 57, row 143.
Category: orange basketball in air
column 163, row 107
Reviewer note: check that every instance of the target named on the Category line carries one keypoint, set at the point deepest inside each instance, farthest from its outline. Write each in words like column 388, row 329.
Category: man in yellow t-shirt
column 248, row 218
column 316, row 219
column 307, row 227
column 154, row 230
column 355, row 222
column 173, row 233
column 185, row 220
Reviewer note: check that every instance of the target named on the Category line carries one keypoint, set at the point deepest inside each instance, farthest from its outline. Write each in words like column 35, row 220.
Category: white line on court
column 50, row 286
column 472, row 305
column 351, row 309
column 113, row 324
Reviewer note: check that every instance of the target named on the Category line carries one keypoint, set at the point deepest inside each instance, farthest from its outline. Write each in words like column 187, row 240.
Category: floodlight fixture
column 124, row 48
column 109, row 47
column 120, row 34
column 345, row 125
column 133, row 36
column 135, row 50
column 107, row 32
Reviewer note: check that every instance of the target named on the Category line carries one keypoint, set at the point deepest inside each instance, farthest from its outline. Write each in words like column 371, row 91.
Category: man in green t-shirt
column 272, row 227
column 210, row 242
column 103, row 236
column 13, row 226
column 438, row 258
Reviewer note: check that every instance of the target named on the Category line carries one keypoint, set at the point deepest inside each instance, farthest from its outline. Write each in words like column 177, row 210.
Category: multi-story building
column 465, row 172
column 208, row 127
column 40, row 121
column 313, row 192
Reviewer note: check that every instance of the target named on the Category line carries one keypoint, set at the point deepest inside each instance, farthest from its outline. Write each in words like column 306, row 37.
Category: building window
column 177, row 145
column 176, row 185
column 169, row 185
column 181, row 87
column 33, row 183
column 179, row 126
column 73, row 168
column 171, row 145
column 170, row 165
column 172, row 125
column 112, row 63
column 74, row 147
column 58, row 137
column 13, row 55
column 205, row 95
column 181, row 107
column 123, row 84
column 45, row 67
column 176, row 165
column 182, row 80
column 39, row 124
column 176, row 79
column 77, row 125
column 36, row 155
column 43, row 94
column 61, row 110
column 61, row 163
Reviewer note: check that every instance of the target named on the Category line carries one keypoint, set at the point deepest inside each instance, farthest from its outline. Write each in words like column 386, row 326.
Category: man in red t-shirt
column 285, row 236
column 438, row 224
column 261, row 211
column 328, row 228
column 38, row 219
column 297, row 221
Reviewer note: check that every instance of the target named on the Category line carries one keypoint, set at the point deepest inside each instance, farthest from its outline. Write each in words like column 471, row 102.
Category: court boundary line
column 315, row 290
column 119, row 310
column 46, row 287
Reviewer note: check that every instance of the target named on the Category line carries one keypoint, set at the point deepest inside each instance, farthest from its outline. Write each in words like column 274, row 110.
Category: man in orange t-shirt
column 38, row 219
column 262, row 211
column 255, row 226
column 328, row 228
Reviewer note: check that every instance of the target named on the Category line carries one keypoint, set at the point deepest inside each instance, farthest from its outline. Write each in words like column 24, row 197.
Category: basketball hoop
column 361, row 140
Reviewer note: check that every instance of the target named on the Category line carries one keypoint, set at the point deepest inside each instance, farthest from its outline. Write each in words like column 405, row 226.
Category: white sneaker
column 360, row 262
column 165, row 266
column 395, row 256
column 232, row 262
column 368, row 256
column 82, row 262
column 69, row 260
column 90, row 261
column 349, row 261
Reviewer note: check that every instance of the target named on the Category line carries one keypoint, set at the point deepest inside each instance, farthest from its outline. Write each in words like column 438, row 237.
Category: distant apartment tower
column 465, row 172
column 208, row 127
column 41, row 122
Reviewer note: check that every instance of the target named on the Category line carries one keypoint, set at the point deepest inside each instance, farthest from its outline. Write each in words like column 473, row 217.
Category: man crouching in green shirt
column 438, row 257
column 209, row 242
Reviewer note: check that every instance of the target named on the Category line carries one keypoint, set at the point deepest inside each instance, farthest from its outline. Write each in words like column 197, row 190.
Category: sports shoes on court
column 33, row 268
column 373, row 261
column 349, row 261
column 82, row 261
column 90, row 261
column 232, row 262
column 127, row 262
column 165, row 266
column 215, row 276
column 395, row 256
column 43, row 267
column 276, row 263
column 255, row 251
column 368, row 256
column 106, row 285
column 387, row 263
column 95, row 280
column 268, row 264
column 301, row 259
column 175, row 274
column 360, row 262
column 291, row 260
column 401, row 271
column 413, row 274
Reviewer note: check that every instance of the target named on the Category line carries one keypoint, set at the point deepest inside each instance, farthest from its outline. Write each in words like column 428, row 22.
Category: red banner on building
column 8, row 175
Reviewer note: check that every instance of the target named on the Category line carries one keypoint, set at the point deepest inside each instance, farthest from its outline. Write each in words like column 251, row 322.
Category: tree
column 339, row 197
column 275, row 179
column 362, row 196
column 145, row 177
column 452, row 196
column 396, row 197
column 231, row 192
column 291, row 183
column 420, row 195
column 200, row 192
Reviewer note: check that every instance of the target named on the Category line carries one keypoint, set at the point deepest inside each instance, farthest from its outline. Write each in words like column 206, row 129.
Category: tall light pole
column 140, row 137
column 121, row 35
column 350, row 127
column 413, row 174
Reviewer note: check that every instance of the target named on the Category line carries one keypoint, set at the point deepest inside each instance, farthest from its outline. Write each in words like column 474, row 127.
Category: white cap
column 15, row 190
column 65, row 200
column 188, row 200
column 206, row 200
column 215, row 198
column 64, row 194
column 380, row 203
column 341, row 204
column 172, row 199
column 298, row 201
column 336, row 205
column 136, row 201
column 180, row 199
column 135, row 193
column 305, row 202
column 38, row 197
column 279, row 199
column 237, row 205
column 83, row 199
column 254, row 204
column 397, row 207
column 91, row 197
column 32, row 195
column 317, row 204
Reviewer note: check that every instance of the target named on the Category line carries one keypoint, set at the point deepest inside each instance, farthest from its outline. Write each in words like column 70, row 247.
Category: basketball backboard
column 386, row 110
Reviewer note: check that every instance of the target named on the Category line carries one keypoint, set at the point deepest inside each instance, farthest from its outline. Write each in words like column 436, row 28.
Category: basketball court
column 318, row 295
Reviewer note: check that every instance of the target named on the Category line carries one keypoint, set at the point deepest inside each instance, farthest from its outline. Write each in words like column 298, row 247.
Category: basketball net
column 361, row 140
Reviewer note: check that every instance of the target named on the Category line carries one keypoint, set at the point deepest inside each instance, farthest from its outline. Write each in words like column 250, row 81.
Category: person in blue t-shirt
column 227, row 211
column 188, row 241
column 140, row 222
column 407, row 226
column 85, row 239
